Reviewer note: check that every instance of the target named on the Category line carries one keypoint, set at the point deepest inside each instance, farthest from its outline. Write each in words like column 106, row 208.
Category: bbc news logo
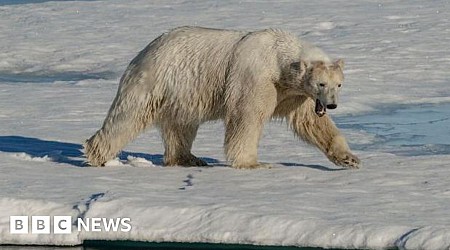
column 63, row 224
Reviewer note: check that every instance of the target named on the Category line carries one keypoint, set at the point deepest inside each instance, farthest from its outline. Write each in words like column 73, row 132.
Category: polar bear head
column 323, row 83
column 318, row 80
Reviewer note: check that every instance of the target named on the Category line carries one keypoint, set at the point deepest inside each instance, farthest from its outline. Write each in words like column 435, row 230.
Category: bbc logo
column 40, row 225
column 64, row 224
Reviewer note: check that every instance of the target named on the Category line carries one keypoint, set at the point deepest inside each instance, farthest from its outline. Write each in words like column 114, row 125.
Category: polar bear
column 191, row 75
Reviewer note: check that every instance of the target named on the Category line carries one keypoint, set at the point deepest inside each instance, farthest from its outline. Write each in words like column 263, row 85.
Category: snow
column 59, row 69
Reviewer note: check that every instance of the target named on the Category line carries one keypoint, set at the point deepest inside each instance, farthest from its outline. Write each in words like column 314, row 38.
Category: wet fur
column 191, row 75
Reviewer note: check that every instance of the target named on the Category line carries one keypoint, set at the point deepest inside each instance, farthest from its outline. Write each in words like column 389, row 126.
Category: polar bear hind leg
column 122, row 124
column 178, row 141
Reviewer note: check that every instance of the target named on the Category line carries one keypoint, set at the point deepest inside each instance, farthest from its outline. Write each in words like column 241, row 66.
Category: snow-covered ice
column 59, row 69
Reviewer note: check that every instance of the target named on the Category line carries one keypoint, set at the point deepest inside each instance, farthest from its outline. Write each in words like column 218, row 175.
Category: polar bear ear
column 300, row 67
column 340, row 63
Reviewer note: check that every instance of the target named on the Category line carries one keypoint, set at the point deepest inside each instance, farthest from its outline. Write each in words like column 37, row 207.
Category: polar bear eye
column 339, row 85
column 322, row 84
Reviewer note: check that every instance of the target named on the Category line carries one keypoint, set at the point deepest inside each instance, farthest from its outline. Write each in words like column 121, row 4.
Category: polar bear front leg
column 243, row 128
column 241, row 143
column 339, row 153
column 323, row 133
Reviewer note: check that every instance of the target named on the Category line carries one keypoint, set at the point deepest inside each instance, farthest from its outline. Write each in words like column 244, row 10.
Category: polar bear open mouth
column 320, row 108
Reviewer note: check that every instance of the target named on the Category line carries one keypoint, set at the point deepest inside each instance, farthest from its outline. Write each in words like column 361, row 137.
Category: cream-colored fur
column 191, row 75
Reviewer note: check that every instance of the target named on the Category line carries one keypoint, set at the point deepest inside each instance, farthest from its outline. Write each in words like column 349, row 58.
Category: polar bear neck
column 311, row 53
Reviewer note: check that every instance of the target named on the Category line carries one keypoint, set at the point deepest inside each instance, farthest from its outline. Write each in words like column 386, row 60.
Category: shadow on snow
column 72, row 153
column 64, row 152
column 313, row 166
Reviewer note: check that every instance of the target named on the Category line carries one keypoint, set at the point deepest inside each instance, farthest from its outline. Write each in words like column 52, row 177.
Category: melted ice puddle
column 415, row 130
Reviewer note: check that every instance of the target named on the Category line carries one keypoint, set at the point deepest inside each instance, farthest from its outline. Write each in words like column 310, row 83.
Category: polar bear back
column 185, row 72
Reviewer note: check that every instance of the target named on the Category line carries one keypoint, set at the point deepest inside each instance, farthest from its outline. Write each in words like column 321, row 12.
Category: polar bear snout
column 331, row 106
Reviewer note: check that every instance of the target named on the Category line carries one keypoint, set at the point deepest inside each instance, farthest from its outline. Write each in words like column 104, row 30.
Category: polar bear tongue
column 320, row 109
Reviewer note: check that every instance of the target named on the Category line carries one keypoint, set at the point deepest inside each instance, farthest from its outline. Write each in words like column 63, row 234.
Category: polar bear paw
column 186, row 161
column 346, row 160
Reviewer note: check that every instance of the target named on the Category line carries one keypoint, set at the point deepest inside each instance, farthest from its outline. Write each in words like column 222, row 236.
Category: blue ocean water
column 405, row 130
column 13, row 2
